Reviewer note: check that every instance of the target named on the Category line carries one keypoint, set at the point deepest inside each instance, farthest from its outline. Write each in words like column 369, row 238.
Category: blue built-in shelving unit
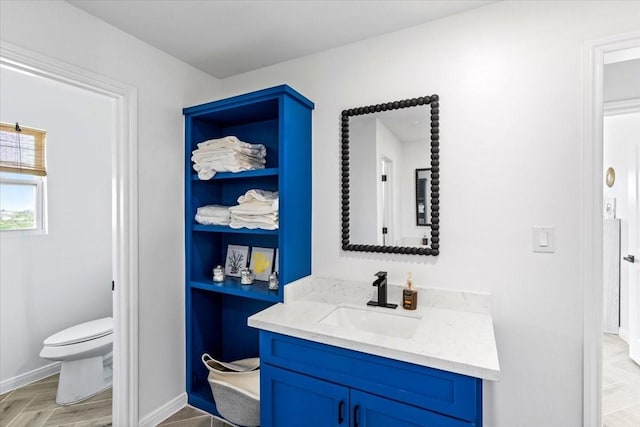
column 216, row 313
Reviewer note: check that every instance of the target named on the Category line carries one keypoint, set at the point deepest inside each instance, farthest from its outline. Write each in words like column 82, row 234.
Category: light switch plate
column 544, row 239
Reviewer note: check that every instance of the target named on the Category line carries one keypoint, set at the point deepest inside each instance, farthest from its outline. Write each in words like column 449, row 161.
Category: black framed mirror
column 389, row 151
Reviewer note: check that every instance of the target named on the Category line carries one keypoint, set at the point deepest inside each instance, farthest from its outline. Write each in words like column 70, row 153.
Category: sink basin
column 371, row 320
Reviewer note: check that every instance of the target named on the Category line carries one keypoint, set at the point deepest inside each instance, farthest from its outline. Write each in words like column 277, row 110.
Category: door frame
column 124, row 173
column 591, row 218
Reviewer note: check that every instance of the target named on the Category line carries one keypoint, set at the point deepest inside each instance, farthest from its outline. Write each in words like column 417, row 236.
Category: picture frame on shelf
column 276, row 262
column 237, row 257
column 261, row 262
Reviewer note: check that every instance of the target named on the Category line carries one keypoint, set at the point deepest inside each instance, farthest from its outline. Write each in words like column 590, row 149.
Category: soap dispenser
column 409, row 295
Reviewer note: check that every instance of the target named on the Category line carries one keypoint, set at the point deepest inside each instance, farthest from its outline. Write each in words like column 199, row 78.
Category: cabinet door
column 368, row 410
column 293, row 400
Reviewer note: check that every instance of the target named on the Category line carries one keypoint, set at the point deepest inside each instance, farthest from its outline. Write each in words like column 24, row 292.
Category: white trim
column 622, row 55
column 624, row 334
column 22, row 380
column 125, row 205
column 165, row 411
column 627, row 106
column 591, row 219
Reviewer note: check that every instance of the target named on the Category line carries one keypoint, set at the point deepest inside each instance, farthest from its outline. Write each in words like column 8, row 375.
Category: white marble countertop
column 455, row 331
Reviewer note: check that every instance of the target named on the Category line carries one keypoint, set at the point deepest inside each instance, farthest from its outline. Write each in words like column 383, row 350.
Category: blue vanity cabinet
column 312, row 384
column 216, row 313
column 369, row 410
column 288, row 399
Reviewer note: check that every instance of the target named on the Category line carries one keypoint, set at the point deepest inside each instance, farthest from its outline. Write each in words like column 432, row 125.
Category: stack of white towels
column 256, row 209
column 213, row 215
column 227, row 154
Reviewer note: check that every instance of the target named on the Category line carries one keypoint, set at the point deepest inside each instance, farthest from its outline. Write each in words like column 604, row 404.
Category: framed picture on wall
column 237, row 257
column 261, row 262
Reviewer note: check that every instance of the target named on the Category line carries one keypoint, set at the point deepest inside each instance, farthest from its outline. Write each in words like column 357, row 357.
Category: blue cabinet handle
column 355, row 415
column 340, row 408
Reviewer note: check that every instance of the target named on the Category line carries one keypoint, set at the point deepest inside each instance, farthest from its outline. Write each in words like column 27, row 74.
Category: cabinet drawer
column 440, row 391
column 368, row 410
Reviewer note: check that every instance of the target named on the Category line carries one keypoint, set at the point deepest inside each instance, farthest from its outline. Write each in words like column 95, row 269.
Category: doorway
column 592, row 224
column 124, row 213
column 621, row 127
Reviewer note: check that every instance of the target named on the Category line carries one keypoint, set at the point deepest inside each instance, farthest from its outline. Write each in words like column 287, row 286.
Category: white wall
column 165, row 85
column 40, row 272
column 509, row 78
column 620, row 132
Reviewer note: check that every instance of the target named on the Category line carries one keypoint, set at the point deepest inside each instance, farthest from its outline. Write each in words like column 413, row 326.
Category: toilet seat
column 80, row 333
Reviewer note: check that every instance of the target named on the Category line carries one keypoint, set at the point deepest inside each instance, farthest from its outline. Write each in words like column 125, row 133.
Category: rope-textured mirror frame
column 433, row 249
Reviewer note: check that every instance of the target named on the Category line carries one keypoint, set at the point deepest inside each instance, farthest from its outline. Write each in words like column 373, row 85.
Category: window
column 22, row 178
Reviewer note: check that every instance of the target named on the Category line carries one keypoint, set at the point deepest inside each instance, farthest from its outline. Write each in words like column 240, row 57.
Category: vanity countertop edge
column 455, row 332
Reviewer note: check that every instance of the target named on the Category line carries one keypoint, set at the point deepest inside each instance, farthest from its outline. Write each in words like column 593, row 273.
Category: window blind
column 22, row 151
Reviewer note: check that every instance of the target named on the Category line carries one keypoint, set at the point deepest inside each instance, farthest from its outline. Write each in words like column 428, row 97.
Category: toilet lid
column 82, row 332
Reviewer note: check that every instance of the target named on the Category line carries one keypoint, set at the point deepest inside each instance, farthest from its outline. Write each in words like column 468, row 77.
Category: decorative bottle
column 409, row 295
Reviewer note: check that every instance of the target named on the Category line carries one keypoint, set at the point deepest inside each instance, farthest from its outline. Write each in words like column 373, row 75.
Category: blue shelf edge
column 226, row 229
column 231, row 286
column 201, row 400
column 240, row 175
column 257, row 96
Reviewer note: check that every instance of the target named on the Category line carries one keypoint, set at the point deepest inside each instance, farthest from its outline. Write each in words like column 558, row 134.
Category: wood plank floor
column 621, row 385
column 34, row 405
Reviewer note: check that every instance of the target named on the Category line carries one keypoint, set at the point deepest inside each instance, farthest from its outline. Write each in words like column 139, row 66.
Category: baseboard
column 29, row 377
column 624, row 334
column 164, row 412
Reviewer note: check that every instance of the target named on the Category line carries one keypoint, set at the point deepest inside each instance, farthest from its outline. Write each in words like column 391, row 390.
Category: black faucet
column 381, row 283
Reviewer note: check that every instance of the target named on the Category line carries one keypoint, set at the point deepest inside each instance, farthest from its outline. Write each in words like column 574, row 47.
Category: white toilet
column 85, row 351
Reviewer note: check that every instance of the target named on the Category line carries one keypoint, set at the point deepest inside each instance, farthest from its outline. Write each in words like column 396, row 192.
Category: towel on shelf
column 213, row 210
column 253, row 223
column 257, row 202
column 212, row 220
column 227, row 154
column 256, row 209
column 229, row 141
column 259, row 195
column 213, row 215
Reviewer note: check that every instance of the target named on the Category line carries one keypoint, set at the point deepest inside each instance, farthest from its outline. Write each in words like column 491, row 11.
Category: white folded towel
column 253, row 225
column 251, row 150
column 205, row 174
column 212, row 220
column 227, row 154
column 213, row 215
column 229, row 141
column 259, row 195
column 214, row 210
column 267, row 219
column 208, row 171
column 255, row 208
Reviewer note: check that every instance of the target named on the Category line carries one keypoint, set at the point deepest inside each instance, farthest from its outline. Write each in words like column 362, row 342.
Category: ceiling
column 225, row 38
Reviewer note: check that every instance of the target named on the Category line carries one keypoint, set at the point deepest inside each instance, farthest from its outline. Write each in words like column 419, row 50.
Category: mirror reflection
column 387, row 199
column 422, row 197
